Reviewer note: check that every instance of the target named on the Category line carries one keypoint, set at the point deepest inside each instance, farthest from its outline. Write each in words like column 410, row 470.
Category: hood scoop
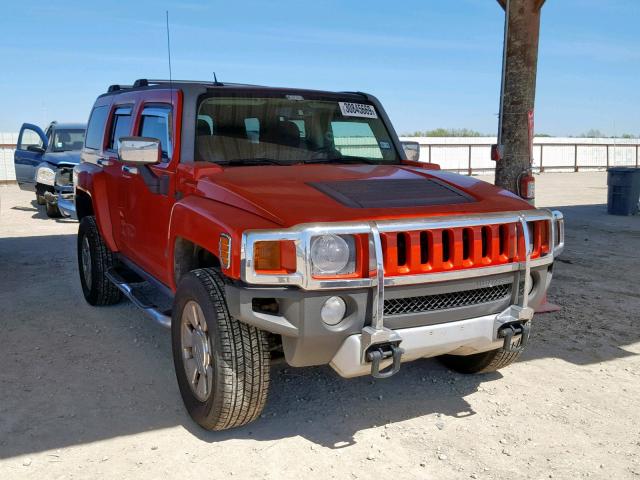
column 390, row 193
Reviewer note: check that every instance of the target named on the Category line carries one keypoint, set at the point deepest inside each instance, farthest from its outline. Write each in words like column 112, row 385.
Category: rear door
column 98, row 150
column 32, row 143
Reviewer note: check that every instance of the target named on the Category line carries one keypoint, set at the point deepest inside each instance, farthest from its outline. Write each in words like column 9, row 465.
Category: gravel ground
column 90, row 392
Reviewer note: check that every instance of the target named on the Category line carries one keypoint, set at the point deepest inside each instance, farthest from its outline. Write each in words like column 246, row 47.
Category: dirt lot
column 91, row 393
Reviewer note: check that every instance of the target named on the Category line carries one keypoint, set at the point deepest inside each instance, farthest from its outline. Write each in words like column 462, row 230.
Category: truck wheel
column 222, row 365
column 40, row 200
column 53, row 211
column 94, row 259
column 484, row 362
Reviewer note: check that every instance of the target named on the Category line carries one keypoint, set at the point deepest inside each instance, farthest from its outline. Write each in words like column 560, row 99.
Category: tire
column 40, row 200
column 53, row 211
column 96, row 287
column 236, row 367
column 484, row 362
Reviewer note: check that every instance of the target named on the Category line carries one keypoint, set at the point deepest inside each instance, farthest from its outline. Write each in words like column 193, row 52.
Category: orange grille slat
column 444, row 249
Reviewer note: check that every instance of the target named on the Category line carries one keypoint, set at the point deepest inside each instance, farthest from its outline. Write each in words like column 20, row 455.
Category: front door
column 32, row 144
column 149, row 194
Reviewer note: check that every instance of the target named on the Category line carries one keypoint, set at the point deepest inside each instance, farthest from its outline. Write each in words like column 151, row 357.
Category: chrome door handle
column 130, row 170
column 103, row 162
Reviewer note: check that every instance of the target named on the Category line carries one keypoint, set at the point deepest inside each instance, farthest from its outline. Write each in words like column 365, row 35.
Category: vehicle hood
column 56, row 158
column 304, row 193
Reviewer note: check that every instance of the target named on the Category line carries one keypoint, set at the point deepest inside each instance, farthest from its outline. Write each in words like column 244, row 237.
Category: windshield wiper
column 253, row 161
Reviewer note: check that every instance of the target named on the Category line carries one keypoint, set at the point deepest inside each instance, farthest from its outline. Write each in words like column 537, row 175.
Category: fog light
column 333, row 311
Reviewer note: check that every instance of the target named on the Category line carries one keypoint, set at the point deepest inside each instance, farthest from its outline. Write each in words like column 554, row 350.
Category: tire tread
column 242, row 394
column 103, row 291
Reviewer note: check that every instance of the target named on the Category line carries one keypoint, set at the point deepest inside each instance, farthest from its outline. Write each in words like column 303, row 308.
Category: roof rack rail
column 115, row 88
column 145, row 82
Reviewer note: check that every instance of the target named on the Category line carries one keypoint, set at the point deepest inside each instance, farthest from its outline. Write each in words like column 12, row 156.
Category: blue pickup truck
column 44, row 162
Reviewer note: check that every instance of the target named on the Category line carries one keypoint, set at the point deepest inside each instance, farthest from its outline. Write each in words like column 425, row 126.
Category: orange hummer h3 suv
column 274, row 223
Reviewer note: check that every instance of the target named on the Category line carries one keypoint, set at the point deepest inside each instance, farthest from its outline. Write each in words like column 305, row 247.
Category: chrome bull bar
column 378, row 343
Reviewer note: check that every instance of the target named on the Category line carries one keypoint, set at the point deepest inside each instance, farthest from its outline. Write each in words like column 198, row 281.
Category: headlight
column 333, row 254
column 45, row 176
column 74, row 175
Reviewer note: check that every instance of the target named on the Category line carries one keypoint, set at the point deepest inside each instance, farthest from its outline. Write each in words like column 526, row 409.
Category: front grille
column 445, row 301
column 445, row 249
column 64, row 176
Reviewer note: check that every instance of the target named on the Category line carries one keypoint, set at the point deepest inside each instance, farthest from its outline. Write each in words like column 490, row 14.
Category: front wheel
column 40, row 200
column 222, row 365
column 484, row 362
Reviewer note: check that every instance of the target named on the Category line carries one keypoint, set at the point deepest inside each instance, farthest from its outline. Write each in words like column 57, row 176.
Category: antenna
column 216, row 83
column 169, row 55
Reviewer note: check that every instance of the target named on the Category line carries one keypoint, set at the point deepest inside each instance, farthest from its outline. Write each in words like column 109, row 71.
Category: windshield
column 283, row 131
column 67, row 140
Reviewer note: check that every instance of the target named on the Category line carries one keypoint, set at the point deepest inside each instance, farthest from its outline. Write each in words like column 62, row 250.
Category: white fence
column 7, row 147
column 471, row 155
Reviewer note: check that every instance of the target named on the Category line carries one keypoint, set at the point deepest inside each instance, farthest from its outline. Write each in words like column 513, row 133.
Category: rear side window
column 120, row 127
column 156, row 123
column 95, row 130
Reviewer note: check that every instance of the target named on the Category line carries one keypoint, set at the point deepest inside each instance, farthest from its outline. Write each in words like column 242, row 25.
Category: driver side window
column 156, row 123
column 30, row 138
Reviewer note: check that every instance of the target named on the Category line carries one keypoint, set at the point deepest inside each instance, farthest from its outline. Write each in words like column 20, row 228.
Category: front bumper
column 463, row 337
column 368, row 331
column 64, row 199
column 308, row 341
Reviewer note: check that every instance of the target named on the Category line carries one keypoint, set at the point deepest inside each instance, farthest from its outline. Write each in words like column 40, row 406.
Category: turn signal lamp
column 274, row 256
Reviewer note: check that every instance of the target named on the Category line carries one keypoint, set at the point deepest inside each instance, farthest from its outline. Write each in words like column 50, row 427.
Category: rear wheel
column 94, row 259
column 480, row 362
column 221, row 364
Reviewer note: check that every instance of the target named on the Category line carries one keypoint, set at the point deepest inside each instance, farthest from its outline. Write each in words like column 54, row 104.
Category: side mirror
column 412, row 150
column 139, row 150
column 36, row 149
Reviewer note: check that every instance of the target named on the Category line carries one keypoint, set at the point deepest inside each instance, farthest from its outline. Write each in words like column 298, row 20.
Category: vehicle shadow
column 72, row 374
column 41, row 213
column 315, row 403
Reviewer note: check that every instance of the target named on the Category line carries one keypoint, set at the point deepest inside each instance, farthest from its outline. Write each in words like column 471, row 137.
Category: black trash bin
column 624, row 190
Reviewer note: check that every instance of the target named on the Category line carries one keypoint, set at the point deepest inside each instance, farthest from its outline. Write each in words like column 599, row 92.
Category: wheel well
column 84, row 206
column 188, row 256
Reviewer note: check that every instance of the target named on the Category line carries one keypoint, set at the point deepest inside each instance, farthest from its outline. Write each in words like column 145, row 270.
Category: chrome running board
column 139, row 301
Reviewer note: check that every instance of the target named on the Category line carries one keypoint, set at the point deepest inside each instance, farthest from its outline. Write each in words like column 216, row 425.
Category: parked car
column 44, row 163
column 261, row 222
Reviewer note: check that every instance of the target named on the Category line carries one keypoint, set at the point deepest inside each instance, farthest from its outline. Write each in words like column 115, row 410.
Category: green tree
column 446, row 132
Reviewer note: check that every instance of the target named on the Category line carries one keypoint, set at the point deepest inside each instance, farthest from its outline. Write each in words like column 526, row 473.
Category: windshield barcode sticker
column 357, row 110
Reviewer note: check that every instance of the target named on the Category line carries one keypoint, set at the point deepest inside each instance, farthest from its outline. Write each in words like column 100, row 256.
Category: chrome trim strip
column 302, row 234
column 528, row 244
column 377, row 320
column 558, row 223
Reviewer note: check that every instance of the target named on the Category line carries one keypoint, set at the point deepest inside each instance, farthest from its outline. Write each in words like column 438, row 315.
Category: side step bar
column 151, row 310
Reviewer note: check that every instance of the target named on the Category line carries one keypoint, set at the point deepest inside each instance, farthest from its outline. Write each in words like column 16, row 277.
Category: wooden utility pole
column 518, row 91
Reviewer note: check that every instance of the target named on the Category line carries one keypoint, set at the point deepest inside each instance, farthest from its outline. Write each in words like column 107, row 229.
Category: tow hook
column 510, row 330
column 377, row 353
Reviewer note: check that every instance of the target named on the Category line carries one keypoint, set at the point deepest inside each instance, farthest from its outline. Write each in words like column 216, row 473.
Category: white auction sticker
column 357, row 110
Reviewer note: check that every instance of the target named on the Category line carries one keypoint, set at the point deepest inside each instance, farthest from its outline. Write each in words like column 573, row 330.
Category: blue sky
column 433, row 63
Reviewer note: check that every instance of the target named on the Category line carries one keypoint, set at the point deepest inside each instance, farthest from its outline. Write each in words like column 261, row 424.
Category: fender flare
column 201, row 221
column 93, row 184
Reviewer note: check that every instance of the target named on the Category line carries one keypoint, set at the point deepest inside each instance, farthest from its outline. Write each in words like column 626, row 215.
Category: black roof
column 143, row 84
